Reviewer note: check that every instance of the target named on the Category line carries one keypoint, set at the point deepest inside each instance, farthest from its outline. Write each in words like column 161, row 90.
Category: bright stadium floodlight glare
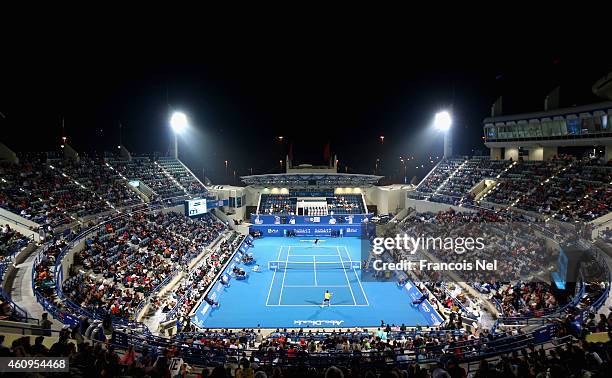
column 442, row 121
column 178, row 122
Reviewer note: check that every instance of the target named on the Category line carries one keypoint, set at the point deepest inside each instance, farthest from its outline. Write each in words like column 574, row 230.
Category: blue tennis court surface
column 289, row 290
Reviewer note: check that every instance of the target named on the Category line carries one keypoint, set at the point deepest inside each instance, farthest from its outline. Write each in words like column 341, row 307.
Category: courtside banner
column 432, row 316
column 244, row 247
column 304, row 230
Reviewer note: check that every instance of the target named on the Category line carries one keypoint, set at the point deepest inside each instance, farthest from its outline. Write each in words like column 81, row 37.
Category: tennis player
column 327, row 298
column 316, row 241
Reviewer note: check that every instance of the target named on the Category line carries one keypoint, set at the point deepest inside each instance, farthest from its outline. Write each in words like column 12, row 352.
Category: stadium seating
column 277, row 204
column 96, row 175
column 11, row 242
column 337, row 204
column 191, row 289
column 129, row 258
column 581, row 191
column 37, row 190
column 565, row 188
column 390, row 347
column 55, row 192
column 523, row 177
column 146, row 170
column 471, row 173
column 346, row 204
column 178, row 171
column 125, row 262
column 439, row 176
column 228, row 354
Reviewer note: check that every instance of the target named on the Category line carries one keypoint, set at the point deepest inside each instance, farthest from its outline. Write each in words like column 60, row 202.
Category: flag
column 290, row 153
column 326, row 152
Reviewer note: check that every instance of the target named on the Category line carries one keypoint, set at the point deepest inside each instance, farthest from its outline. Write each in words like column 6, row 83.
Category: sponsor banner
column 304, row 230
column 318, row 323
column 215, row 292
column 305, row 219
column 543, row 335
column 212, row 204
column 431, row 315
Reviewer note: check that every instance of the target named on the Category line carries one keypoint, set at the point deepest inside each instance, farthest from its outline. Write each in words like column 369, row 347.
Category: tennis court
column 289, row 289
column 302, row 273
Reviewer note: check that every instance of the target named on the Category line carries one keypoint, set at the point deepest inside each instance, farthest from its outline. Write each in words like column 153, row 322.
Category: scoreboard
column 195, row 207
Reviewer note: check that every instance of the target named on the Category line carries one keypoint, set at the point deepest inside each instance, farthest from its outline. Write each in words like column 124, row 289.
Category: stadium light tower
column 179, row 123
column 443, row 123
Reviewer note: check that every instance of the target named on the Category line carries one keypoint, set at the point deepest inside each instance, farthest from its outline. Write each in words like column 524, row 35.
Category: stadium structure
column 137, row 255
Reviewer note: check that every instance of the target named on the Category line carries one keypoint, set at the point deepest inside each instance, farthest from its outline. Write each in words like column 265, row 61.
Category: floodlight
column 178, row 122
column 442, row 121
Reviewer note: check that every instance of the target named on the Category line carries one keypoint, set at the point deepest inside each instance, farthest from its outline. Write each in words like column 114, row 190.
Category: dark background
column 241, row 96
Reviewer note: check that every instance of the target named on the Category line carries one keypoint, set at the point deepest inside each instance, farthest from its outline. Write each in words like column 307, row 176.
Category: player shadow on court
column 318, row 303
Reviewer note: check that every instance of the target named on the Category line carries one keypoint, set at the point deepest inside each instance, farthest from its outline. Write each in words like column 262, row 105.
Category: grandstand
column 136, row 261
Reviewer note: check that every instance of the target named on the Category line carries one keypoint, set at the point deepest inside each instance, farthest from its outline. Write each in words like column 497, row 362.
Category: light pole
column 179, row 123
column 442, row 123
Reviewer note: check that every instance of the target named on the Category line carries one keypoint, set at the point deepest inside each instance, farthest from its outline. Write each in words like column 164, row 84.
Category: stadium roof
column 305, row 179
column 551, row 113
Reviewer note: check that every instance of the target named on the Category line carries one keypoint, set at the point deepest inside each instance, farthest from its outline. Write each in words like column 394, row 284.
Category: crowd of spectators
column 519, row 250
column 334, row 204
column 182, row 175
column 440, row 174
column 524, row 177
column 563, row 187
column 97, row 176
column 88, row 356
column 523, row 298
column 54, row 192
column 43, row 273
column 277, row 204
column 145, row 169
column 580, row 191
column 130, row 256
column 11, row 242
column 389, row 351
column 471, row 173
column 346, row 204
column 191, row 289
column 38, row 191
column 521, row 254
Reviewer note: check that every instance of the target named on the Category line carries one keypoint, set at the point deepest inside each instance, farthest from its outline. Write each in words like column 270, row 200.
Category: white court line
column 280, row 297
column 315, row 269
column 280, row 250
column 346, row 275
column 358, row 280
column 300, row 255
column 315, row 246
column 296, row 305
column 316, row 286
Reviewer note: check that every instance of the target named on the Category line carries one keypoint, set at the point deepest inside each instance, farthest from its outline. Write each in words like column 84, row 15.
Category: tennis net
column 312, row 265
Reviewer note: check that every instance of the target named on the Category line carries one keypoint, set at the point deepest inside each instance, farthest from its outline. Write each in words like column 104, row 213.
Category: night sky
column 241, row 98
